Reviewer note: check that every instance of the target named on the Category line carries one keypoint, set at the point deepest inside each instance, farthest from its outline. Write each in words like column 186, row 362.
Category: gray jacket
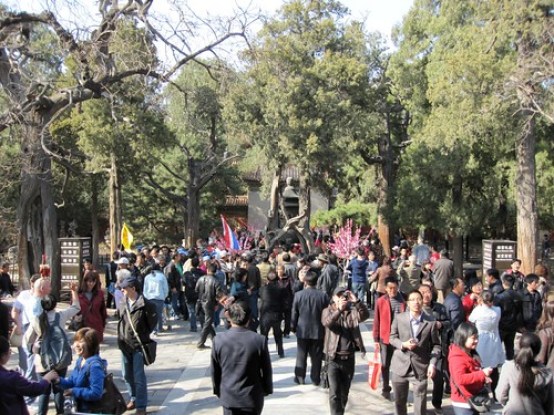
column 541, row 403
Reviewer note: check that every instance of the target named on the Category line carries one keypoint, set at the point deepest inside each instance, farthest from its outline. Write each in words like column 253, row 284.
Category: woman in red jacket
column 467, row 378
column 93, row 306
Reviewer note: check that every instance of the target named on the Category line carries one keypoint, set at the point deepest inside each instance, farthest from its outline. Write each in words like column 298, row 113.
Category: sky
column 378, row 15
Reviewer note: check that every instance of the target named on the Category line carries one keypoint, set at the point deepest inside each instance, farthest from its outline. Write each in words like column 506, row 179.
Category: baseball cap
column 122, row 260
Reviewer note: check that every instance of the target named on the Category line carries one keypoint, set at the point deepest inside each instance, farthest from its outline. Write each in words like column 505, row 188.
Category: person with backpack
column 190, row 278
column 48, row 340
column 86, row 382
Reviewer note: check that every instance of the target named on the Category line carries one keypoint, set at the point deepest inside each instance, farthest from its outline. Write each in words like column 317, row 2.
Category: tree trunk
column 385, row 172
column 383, row 230
column 304, row 204
column 37, row 218
column 273, row 214
column 192, row 229
column 94, row 220
column 116, row 210
column 527, row 217
column 458, row 255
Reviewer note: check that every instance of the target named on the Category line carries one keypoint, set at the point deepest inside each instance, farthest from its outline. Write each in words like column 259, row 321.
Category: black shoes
column 299, row 381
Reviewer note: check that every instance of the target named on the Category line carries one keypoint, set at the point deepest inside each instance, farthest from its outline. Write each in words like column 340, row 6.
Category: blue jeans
column 160, row 310
column 135, row 378
column 217, row 319
column 176, row 303
column 358, row 288
column 192, row 315
column 44, row 400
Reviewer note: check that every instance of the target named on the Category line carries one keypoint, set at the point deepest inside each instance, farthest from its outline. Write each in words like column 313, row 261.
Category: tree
column 199, row 151
column 304, row 92
column 453, row 72
column 34, row 103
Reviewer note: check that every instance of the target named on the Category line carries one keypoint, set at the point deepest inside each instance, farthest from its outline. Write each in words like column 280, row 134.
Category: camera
column 346, row 295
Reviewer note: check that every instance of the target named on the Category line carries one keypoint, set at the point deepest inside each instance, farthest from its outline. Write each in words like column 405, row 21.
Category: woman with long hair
column 85, row 385
column 526, row 387
column 467, row 377
column 93, row 306
column 486, row 318
column 545, row 330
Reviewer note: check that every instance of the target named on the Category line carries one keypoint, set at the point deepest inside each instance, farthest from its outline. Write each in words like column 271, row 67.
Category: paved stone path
column 179, row 381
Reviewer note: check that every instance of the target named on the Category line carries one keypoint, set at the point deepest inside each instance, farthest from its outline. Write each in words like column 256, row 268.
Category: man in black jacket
column 241, row 366
column 492, row 276
column 509, row 302
column 138, row 317
column 307, row 306
column 531, row 303
column 208, row 290
column 342, row 338
column 174, row 274
column 271, row 312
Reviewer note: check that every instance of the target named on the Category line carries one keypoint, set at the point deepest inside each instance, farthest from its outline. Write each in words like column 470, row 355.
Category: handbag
column 148, row 350
column 480, row 402
column 112, row 401
column 374, row 370
column 76, row 323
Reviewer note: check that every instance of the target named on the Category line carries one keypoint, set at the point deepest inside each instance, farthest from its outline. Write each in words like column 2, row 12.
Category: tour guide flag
column 231, row 240
column 126, row 237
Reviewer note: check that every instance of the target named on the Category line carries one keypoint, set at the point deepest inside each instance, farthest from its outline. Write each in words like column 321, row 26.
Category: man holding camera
column 342, row 338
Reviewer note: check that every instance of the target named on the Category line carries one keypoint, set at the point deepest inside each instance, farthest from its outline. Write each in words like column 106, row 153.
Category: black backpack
column 112, row 401
column 55, row 349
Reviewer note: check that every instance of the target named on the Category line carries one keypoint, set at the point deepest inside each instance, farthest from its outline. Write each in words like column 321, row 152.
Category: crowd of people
column 466, row 334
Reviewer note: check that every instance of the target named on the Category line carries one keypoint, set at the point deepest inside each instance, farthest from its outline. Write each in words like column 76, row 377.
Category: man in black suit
column 307, row 306
column 241, row 366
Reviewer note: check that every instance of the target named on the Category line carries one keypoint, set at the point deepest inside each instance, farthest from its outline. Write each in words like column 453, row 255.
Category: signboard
column 73, row 252
column 498, row 254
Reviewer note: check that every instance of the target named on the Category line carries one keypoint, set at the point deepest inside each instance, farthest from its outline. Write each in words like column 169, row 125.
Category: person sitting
column 14, row 386
column 86, row 382
column 526, row 386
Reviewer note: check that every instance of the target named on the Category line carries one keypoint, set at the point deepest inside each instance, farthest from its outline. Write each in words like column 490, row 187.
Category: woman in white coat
column 486, row 318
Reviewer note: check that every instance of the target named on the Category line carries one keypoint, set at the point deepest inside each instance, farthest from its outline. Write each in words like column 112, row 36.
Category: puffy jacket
column 465, row 374
column 86, row 381
column 334, row 320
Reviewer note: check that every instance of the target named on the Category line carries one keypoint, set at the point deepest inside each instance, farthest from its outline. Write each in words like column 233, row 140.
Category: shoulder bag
column 148, row 349
column 480, row 402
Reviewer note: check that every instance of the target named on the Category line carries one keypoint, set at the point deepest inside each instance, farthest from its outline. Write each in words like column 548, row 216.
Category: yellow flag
column 126, row 237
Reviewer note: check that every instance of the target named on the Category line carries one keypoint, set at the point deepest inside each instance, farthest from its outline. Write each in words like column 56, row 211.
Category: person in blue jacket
column 86, row 382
